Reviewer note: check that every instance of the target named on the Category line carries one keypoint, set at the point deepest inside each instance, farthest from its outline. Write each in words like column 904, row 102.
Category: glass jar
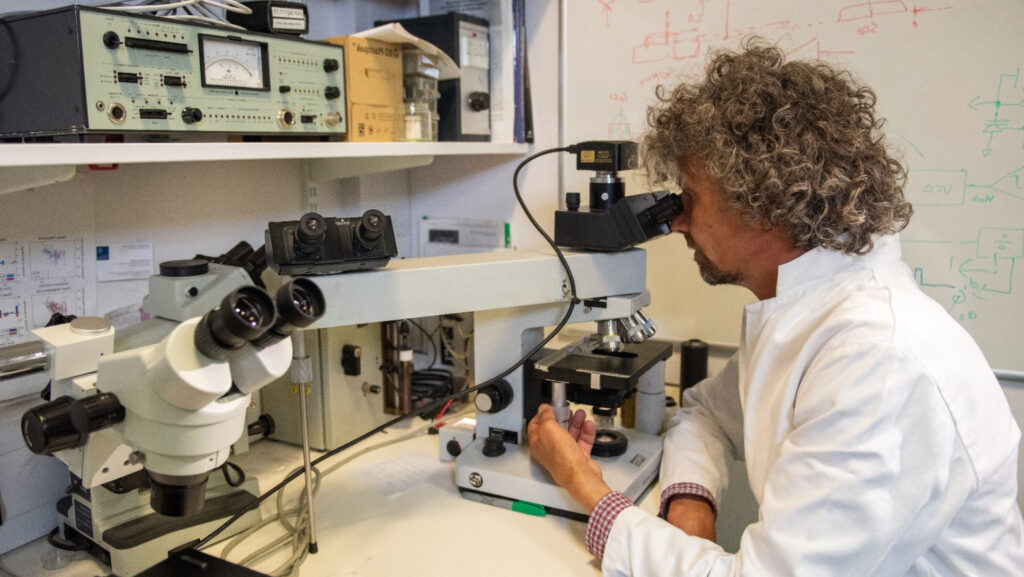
column 420, row 73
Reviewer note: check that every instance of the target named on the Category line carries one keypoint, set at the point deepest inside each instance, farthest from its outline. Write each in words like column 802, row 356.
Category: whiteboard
column 948, row 76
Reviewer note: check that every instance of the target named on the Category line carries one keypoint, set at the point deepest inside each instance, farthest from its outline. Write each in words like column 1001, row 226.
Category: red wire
column 441, row 414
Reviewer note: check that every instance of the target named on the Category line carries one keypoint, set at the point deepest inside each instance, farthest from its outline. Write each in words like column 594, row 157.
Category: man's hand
column 566, row 455
column 693, row 515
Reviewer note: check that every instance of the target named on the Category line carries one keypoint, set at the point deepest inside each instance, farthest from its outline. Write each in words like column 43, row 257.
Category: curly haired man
column 875, row 436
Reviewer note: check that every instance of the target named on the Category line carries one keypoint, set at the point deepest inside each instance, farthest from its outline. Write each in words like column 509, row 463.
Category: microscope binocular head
column 249, row 315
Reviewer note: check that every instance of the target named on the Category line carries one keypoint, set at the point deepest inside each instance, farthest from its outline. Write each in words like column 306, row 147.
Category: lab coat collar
column 818, row 267
column 819, row 264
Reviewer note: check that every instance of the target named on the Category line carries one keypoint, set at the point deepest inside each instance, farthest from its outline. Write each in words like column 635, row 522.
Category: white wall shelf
column 25, row 166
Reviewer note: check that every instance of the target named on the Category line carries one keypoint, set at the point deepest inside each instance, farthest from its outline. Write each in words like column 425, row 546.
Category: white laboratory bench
column 393, row 511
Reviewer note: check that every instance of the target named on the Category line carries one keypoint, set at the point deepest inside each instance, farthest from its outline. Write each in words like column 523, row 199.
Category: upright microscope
column 614, row 370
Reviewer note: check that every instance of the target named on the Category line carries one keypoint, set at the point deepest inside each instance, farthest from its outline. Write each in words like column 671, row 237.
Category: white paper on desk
column 397, row 34
column 398, row 475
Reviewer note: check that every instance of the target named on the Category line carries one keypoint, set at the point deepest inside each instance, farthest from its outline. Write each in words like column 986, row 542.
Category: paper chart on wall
column 41, row 276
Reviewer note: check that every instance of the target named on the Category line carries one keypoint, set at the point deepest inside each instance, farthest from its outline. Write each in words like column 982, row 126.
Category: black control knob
column 572, row 201
column 331, row 65
column 494, row 446
column 284, row 89
column 111, row 40
column 96, row 412
column 48, row 428
column 453, row 447
column 493, row 398
column 191, row 115
column 351, row 360
column 332, row 92
column 479, row 101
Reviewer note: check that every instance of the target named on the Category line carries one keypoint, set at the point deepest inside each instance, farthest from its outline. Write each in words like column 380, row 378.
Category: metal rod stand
column 301, row 376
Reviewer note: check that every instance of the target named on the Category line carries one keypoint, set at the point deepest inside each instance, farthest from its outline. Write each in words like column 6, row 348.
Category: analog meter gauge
column 234, row 63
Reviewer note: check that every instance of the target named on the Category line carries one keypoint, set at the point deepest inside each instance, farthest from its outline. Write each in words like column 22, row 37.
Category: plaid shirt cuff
column 688, row 489
column 601, row 520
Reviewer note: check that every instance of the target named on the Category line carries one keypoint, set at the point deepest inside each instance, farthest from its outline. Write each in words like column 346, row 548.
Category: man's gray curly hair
column 790, row 144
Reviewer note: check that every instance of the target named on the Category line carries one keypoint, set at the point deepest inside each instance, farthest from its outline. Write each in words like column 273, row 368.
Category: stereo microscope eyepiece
column 244, row 315
column 300, row 303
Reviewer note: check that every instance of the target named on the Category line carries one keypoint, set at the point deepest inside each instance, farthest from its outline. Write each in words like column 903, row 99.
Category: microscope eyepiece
column 309, row 233
column 371, row 225
column 663, row 212
column 300, row 303
column 244, row 315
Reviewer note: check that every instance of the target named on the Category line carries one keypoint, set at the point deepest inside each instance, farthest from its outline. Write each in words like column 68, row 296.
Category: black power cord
column 433, row 407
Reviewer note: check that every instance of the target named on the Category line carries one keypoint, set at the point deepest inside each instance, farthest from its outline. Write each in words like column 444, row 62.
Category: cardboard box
column 373, row 79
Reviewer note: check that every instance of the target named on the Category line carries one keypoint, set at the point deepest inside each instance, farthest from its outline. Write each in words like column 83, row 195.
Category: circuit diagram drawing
column 969, row 280
column 867, row 11
column 973, row 270
column 1006, row 112
column 871, row 9
column 669, row 44
column 618, row 127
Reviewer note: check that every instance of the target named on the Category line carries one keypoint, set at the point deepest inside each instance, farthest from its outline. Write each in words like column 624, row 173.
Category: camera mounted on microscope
column 612, row 221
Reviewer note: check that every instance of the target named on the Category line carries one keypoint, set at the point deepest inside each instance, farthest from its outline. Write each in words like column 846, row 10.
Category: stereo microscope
column 149, row 415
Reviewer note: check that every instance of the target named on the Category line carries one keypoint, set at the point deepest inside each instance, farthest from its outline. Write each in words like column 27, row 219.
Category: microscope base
column 515, row 481
column 125, row 533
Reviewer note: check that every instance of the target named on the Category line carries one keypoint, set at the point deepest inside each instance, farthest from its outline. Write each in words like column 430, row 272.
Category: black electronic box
column 465, row 104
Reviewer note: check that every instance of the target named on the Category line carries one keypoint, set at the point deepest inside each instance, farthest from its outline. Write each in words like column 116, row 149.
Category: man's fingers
column 576, row 423
column 587, row 436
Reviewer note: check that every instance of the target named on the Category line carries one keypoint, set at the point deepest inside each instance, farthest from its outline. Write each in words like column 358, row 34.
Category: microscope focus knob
column 48, row 428
column 494, row 446
column 493, row 398
column 96, row 412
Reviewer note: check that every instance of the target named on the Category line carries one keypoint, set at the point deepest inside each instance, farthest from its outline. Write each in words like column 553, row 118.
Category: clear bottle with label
column 420, row 73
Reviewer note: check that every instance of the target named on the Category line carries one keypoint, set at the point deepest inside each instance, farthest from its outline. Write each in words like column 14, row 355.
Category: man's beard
column 708, row 270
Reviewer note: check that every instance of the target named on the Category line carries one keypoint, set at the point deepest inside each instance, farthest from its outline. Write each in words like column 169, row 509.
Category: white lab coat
column 876, row 439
